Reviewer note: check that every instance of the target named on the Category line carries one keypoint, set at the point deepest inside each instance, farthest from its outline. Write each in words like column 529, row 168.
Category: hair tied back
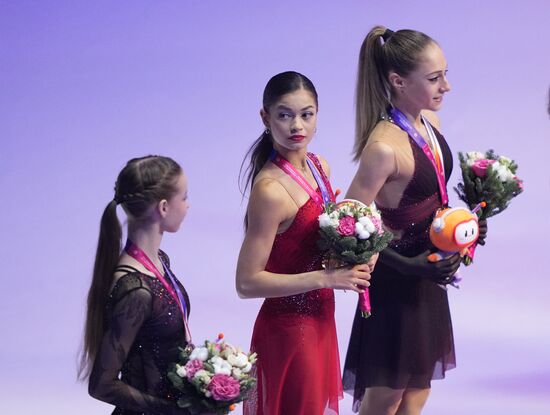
column 387, row 34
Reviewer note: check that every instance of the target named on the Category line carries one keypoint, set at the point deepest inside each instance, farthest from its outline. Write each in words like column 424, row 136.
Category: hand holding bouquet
column 212, row 377
column 487, row 178
column 352, row 233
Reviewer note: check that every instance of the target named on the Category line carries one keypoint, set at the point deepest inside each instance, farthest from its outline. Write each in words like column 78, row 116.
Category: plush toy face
column 454, row 229
column 466, row 233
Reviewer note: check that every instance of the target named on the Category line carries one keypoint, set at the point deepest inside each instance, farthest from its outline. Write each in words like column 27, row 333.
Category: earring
column 267, row 131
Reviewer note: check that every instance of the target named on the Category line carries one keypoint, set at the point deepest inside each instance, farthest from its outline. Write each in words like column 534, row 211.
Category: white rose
column 236, row 373
column 504, row 174
column 247, row 368
column 180, row 370
column 222, row 369
column 221, row 366
column 364, row 227
column 361, row 232
column 325, row 220
column 367, row 224
column 207, row 393
column 200, row 353
column 239, row 360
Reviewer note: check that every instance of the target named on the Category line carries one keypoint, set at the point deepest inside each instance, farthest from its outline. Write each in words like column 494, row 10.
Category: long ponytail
column 258, row 154
column 371, row 94
column 382, row 51
column 106, row 260
column 141, row 183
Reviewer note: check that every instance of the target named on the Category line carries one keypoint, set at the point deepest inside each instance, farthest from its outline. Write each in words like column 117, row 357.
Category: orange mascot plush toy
column 454, row 230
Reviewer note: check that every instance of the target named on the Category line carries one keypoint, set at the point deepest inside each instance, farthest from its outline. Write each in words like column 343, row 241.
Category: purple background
column 84, row 86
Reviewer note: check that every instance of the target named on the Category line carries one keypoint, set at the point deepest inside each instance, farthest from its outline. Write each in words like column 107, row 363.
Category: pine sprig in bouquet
column 351, row 233
column 212, row 377
column 489, row 178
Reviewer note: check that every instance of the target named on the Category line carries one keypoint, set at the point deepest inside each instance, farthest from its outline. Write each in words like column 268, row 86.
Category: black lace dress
column 144, row 329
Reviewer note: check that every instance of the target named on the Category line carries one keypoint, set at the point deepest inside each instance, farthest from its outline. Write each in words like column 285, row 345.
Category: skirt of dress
column 408, row 340
column 298, row 368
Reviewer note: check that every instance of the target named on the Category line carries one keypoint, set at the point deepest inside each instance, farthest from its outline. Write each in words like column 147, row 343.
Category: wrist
column 403, row 266
column 322, row 279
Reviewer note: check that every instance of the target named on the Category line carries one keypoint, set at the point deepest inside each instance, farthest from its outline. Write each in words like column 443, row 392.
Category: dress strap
column 127, row 268
column 313, row 157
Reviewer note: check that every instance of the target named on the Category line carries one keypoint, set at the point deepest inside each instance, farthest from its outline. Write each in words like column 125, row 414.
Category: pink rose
column 192, row 367
column 377, row 224
column 346, row 226
column 224, row 388
column 480, row 167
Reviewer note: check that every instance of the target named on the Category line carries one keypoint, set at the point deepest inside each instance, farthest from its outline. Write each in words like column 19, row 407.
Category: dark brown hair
column 382, row 51
column 258, row 154
column 141, row 183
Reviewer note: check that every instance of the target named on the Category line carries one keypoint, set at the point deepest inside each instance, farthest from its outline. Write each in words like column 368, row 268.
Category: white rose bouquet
column 212, row 377
column 351, row 233
column 490, row 179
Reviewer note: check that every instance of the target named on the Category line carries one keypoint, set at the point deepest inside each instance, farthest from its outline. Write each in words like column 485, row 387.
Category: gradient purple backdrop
column 84, row 86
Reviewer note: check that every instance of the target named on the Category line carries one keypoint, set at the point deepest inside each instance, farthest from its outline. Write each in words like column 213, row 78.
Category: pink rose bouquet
column 212, row 377
column 489, row 178
column 351, row 233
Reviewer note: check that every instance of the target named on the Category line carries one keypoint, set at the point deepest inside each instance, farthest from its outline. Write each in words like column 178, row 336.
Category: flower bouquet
column 487, row 178
column 351, row 233
column 212, row 377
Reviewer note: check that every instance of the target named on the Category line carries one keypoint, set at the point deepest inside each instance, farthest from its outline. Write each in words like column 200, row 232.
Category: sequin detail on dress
column 144, row 329
column 408, row 341
column 298, row 367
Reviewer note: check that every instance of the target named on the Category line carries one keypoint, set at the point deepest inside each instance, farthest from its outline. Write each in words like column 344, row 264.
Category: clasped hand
column 440, row 272
column 354, row 278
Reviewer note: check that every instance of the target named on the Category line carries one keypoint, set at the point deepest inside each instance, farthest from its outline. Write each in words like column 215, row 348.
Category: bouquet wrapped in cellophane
column 212, row 377
column 490, row 179
column 351, row 233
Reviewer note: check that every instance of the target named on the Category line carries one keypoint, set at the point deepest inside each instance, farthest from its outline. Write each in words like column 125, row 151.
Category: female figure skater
column 137, row 309
column 404, row 165
column 294, row 335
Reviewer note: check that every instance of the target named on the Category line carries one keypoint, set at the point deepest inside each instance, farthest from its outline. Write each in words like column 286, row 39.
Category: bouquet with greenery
column 490, row 179
column 212, row 377
column 351, row 233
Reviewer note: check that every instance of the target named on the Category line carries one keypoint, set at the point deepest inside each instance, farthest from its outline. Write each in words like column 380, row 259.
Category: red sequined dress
column 298, row 368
